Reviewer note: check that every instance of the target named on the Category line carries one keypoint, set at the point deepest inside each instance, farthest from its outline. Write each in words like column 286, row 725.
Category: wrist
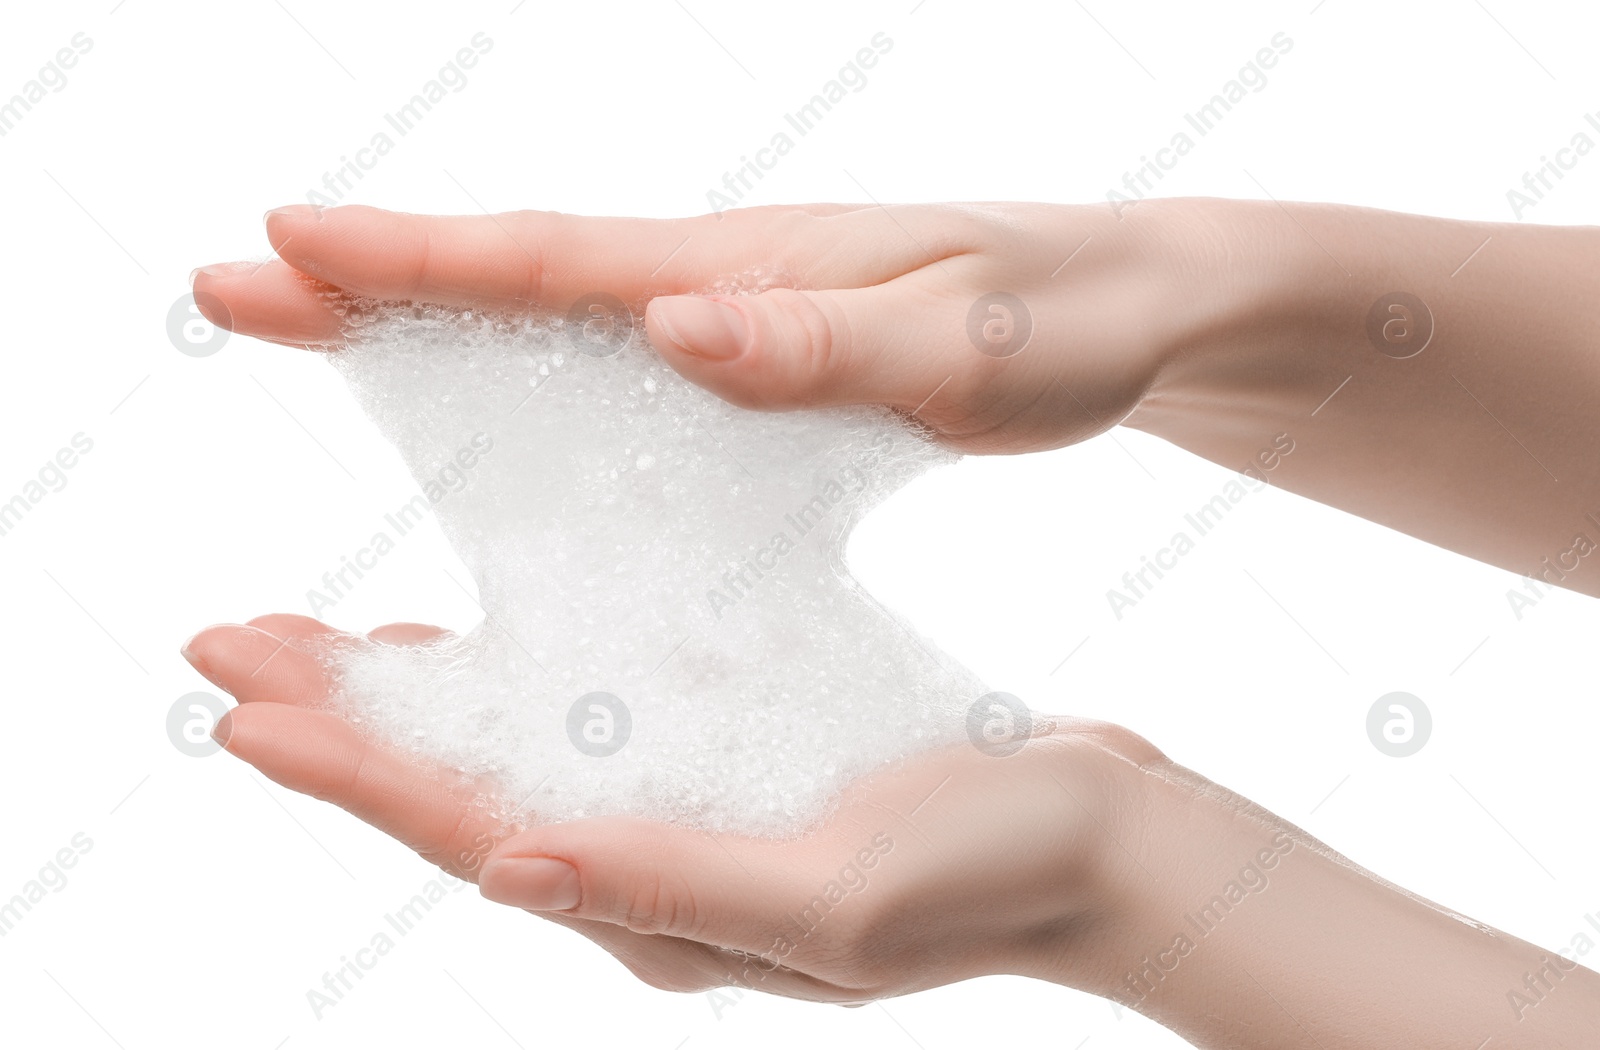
column 1234, row 928
column 1183, row 884
column 1258, row 319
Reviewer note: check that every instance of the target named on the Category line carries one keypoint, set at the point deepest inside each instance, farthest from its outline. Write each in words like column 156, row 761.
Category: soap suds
column 669, row 629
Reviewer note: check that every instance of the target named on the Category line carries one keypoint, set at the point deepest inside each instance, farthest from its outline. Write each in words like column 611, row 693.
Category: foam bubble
column 669, row 629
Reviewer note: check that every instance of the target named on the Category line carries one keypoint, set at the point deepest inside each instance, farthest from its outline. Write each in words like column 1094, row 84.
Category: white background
column 211, row 901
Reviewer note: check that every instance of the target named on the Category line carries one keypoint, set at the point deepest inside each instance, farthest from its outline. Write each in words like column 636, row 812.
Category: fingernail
column 225, row 269
column 188, row 652
column 198, row 662
column 535, row 883
column 704, row 327
column 223, row 730
column 295, row 211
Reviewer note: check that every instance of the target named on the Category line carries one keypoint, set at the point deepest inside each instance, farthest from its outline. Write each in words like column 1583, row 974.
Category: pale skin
column 1083, row 858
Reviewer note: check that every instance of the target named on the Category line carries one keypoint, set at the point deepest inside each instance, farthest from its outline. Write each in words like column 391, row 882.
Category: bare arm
column 1439, row 377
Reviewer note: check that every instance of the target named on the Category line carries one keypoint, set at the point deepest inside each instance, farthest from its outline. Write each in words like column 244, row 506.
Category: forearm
column 1463, row 414
column 1240, row 931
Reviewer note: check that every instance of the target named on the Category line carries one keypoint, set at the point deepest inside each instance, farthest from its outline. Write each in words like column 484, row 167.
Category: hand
column 884, row 313
column 957, row 865
column 1234, row 329
column 1087, row 858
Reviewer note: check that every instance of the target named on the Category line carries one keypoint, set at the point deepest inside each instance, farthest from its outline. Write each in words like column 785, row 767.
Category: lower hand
column 915, row 880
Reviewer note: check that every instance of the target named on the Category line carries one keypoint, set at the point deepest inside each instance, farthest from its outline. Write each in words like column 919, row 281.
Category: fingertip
column 205, row 646
column 208, row 285
column 254, row 665
column 222, row 732
column 291, row 625
column 406, row 633
column 708, row 328
column 536, row 883
column 281, row 223
column 268, row 300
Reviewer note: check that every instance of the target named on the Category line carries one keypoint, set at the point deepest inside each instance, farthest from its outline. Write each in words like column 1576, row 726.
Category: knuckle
column 343, row 784
column 445, row 850
column 817, row 339
column 1104, row 736
column 533, row 231
column 977, row 228
column 657, row 904
column 426, row 260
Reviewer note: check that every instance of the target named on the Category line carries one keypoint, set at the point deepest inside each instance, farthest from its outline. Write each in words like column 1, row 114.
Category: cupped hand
column 1000, row 327
column 956, row 864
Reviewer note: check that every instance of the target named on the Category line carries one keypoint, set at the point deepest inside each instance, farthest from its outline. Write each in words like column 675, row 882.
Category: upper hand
column 887, row 305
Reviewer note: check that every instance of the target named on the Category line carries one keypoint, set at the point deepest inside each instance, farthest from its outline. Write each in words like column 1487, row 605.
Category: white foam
column 644, row 553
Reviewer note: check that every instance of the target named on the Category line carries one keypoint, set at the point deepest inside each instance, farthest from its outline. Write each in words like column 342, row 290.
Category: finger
column 407, row 633
column 254, row 665
column 435, row 815
column 655, row 879
column 892, row 345
column 269, row 301
column 677, row 965
column 317, row 754
column 674, row 964
column 551, row 260
column 295, row 627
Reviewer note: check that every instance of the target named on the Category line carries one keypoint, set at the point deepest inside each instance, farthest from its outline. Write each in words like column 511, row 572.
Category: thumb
column 785, row 349
column 650, row 878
